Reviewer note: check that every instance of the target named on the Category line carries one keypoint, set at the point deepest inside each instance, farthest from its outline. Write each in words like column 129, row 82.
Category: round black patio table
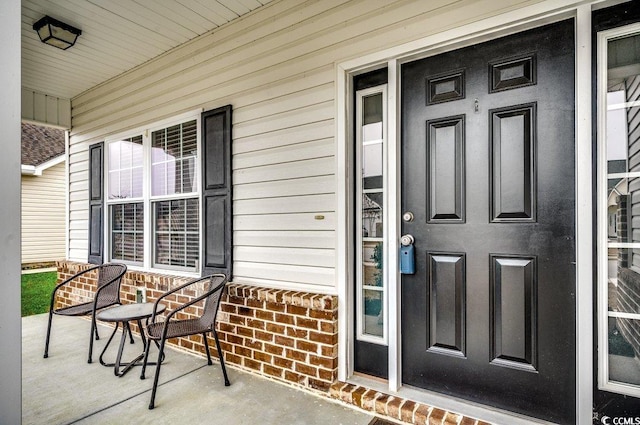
column 121, row 316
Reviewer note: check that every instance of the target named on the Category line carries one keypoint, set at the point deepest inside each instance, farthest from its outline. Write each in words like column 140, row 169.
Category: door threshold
column 367, row 377
column 392, row 403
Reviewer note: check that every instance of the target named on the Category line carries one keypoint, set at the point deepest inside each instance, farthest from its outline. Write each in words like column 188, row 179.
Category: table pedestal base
column 119, row 369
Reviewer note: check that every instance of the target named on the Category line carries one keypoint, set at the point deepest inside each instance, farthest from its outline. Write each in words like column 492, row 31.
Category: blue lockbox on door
column 407, row 259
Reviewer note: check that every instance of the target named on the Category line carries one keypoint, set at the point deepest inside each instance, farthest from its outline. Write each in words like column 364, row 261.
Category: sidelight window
column 619, row 210
column 371, row 199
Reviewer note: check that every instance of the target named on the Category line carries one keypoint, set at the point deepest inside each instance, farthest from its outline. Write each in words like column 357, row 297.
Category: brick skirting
column 397, row 408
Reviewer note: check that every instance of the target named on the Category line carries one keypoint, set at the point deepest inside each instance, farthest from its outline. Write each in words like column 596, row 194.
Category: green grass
column 36, row 292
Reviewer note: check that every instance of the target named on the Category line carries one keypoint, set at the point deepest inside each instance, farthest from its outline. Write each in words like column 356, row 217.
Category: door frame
column 490, row 28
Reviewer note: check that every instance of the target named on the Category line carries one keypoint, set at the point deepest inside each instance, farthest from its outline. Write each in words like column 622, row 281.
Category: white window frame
column 148, row 199
column 360, row 287
column 121, row 201
column 604, row 381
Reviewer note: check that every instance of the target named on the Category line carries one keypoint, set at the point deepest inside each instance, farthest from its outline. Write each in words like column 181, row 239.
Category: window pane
column 116, row 245
column 173, row 159
column 192, row 249
column 127, row 232
column 125, row 191
column 624, row 350
column 159, row 178
column 372, row 110
column 373, row 313
column 114, row 184
column 188, row 174
column 372, row 215
column 162, row 249
column 372, row 166
column 372, row 142
column 177, row 252
column 177, row 234
column 136, row 182
column 192, row 222
column 125, row 168
column 372, row 264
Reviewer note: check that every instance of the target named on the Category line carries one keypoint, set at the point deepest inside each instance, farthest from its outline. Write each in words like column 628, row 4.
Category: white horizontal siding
column 285, row 256
column 283, row 104
column 285, row 238
column 279, row 188
column 285, row 171
column 283, row 274
column 302, row 114
column 277, row 68
column 289, row 136
column 43, row 215
column 284, row 205
column 283, row 222
column 285, row 154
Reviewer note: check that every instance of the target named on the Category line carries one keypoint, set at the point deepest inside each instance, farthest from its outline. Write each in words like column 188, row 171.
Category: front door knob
column 407, row 240
column 407, row 217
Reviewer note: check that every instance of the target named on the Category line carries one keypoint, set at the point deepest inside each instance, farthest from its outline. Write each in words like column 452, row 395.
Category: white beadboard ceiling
column 117, row 35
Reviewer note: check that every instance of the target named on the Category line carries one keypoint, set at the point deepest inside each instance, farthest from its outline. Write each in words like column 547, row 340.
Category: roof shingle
column 40, row 144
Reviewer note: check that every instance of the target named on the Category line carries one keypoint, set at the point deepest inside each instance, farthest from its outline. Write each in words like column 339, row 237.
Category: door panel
column 513, row 312
column 488, row 173
column 512, row 167
column 446, row 169
column 447, row 303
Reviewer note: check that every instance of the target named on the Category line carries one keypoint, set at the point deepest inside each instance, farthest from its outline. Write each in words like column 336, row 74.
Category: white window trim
column 360, row 334
column 485, row 29
column 147, row 199
column 604, row 382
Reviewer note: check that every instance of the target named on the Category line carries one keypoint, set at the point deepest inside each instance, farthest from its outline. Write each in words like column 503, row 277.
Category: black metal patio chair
column 173, row 328
column 106, row 295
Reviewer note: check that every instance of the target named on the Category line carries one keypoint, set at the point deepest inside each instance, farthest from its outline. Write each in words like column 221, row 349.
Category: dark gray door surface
column 488, row 172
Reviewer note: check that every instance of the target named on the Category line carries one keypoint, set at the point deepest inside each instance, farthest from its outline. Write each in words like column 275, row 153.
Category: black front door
column 488, row 174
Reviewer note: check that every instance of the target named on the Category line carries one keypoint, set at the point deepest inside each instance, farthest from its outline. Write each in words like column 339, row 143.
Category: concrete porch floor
column 65, row 389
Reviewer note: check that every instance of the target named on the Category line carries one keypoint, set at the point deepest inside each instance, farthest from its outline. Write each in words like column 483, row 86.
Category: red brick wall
column 287, row 335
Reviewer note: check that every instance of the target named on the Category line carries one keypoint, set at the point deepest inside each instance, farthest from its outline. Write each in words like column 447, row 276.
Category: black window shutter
column 96, row 203
column 216, row 191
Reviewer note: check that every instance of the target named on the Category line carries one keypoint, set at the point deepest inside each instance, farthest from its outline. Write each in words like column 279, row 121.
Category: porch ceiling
column 117, row 35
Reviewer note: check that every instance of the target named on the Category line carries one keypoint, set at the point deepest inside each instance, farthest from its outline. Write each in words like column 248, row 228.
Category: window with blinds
column 125, row 180
column 173, row 159
column 155, row 173
column 176, row 231
column 127, row 232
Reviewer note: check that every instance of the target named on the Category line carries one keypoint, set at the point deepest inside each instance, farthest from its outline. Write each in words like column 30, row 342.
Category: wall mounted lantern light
column 56, row 33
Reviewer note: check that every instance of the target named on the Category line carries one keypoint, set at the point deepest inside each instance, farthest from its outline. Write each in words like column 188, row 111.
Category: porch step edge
column 396, row 408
